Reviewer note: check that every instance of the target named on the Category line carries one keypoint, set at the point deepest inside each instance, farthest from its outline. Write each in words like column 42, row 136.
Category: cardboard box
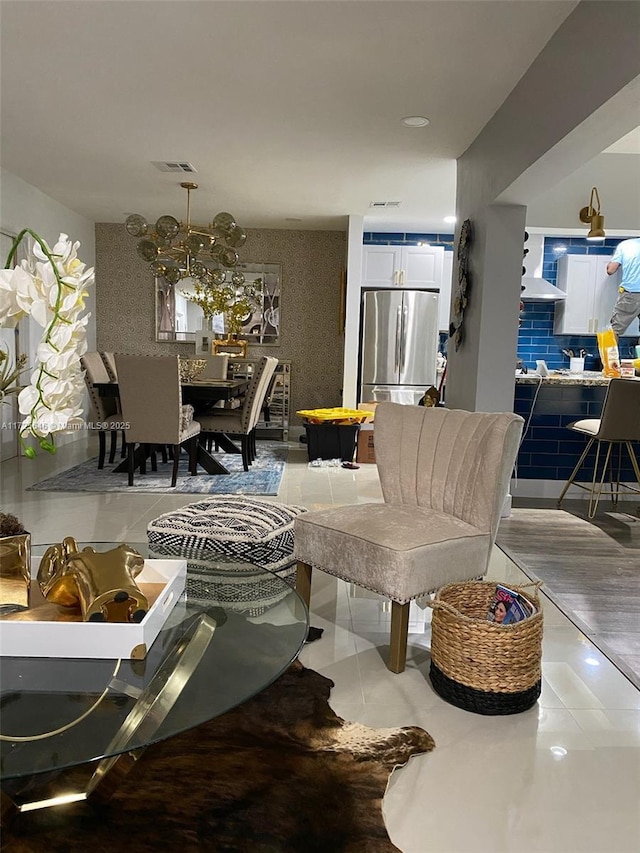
column 366, row 451
column 367, row 407
column 99, row 639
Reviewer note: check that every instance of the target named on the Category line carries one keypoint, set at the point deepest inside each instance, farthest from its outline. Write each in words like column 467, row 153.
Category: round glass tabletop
column 236, row 628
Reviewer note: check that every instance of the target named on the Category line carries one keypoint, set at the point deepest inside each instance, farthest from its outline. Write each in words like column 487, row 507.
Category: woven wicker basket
column 478, row 665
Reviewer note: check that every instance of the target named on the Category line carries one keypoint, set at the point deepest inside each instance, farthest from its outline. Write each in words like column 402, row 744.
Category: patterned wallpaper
column 312, row 263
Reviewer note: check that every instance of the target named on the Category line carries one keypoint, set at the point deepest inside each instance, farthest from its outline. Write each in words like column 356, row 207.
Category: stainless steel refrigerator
column 398, row 344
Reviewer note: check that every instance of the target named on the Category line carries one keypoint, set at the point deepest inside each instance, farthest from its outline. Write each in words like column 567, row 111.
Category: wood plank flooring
column 591, row 570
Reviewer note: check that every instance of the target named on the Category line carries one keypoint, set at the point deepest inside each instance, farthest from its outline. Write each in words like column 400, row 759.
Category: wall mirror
column 179, row 320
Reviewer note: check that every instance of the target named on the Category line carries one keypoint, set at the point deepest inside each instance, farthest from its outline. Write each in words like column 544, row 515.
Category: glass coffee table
column 235, row 630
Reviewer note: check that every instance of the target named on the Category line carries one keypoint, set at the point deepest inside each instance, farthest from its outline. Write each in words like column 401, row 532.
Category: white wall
column 352, row 311
column 617, row 177
column 24, row 206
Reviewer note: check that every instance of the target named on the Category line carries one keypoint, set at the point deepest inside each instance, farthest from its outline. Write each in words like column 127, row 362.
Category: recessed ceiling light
column 449, row 219
column 292, row 219
column 415, row 121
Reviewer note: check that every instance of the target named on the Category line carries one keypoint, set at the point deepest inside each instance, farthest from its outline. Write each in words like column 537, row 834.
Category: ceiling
column 289, row 111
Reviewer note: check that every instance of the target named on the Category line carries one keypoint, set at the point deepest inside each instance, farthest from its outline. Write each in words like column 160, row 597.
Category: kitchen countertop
column 589, row 377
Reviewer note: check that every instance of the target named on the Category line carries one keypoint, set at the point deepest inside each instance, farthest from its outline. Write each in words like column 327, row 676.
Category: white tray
column 95, row 639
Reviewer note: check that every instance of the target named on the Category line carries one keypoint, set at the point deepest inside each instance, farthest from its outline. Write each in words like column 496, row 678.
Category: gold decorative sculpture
column 101, row 583
column 15, row 562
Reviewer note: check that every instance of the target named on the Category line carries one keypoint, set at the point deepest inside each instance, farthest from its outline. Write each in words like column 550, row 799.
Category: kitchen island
column 549, row 451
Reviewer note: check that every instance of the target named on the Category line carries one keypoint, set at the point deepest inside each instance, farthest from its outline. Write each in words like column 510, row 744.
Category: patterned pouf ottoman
column 236, row 533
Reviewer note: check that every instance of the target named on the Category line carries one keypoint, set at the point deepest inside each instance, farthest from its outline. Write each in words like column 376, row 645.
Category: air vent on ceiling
column 175, row 166
column 385, row 204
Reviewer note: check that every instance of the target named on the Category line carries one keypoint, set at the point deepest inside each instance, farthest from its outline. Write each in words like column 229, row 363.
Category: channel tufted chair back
column 444, row 476
column 445, row 460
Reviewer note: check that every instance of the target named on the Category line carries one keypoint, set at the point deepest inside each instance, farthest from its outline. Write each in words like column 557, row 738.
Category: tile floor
column 563, row 776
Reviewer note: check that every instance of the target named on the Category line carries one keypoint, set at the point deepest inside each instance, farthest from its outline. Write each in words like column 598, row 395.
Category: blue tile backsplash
column 378, row 238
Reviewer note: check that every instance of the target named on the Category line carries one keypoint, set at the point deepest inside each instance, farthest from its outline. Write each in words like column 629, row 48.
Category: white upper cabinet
column 402, row 266
column 591, row 295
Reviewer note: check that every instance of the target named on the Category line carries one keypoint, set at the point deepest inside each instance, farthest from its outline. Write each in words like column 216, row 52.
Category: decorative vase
column 15, row 569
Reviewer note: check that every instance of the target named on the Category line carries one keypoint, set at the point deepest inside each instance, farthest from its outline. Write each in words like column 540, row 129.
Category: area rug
column 587, row 571
column 263, row 477
column 280, row 774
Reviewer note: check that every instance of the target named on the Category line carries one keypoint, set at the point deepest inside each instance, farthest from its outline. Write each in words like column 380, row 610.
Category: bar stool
column 618, row 425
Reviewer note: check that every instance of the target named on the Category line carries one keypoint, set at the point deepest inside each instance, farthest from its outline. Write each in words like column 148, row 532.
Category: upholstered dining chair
column 151, row 400
column 109, row 360
column 104, row 410
column 444, row 476
column 217, row 367
column 618, row 426
column 241, row 423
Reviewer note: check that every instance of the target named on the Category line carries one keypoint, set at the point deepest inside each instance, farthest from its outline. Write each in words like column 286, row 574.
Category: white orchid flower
column 50, row 286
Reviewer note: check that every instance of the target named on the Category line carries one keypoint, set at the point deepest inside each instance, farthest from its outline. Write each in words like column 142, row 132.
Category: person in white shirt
column 627, row 307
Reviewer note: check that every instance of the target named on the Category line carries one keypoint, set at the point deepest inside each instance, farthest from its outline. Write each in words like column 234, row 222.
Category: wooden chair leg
column 399, row 633
column 131, row 461
column 193, row 456
column 176, row 459
column 123, row 449
column 163, row 452
column 303, row 582
column 113, row 445
column 153, row 458
column 102, row 443
column 245, row 452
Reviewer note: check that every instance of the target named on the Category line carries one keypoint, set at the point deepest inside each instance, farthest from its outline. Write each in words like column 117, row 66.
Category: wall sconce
column 591, row 215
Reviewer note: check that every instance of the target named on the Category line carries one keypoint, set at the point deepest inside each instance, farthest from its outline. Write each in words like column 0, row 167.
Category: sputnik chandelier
column 177, row 250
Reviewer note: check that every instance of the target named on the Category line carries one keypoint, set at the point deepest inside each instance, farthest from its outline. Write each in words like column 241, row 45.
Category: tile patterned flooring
column 563, row 776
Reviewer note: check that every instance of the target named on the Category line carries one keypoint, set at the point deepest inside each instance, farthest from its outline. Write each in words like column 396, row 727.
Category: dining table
column 204, row 392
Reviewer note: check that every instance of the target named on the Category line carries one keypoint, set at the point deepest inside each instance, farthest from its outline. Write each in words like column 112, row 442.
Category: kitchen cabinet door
column 422, row 266
column 574, row 315
column 381, row 266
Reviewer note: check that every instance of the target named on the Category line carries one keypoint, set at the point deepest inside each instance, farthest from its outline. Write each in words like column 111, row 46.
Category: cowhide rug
column 280, row 774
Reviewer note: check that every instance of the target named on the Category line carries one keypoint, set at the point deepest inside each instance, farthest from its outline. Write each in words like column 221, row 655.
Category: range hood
column 539, row 289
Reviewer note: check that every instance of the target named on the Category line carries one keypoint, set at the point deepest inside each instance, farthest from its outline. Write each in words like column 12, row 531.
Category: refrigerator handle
column 403, row 331
column 398, row 351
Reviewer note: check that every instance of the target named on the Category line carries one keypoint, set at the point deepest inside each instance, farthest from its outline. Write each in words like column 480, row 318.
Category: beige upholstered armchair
column 151, row 399
column 444, row 476
column 241, row 423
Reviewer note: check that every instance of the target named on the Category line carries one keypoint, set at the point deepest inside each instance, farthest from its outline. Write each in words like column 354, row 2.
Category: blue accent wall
column 549, row 451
